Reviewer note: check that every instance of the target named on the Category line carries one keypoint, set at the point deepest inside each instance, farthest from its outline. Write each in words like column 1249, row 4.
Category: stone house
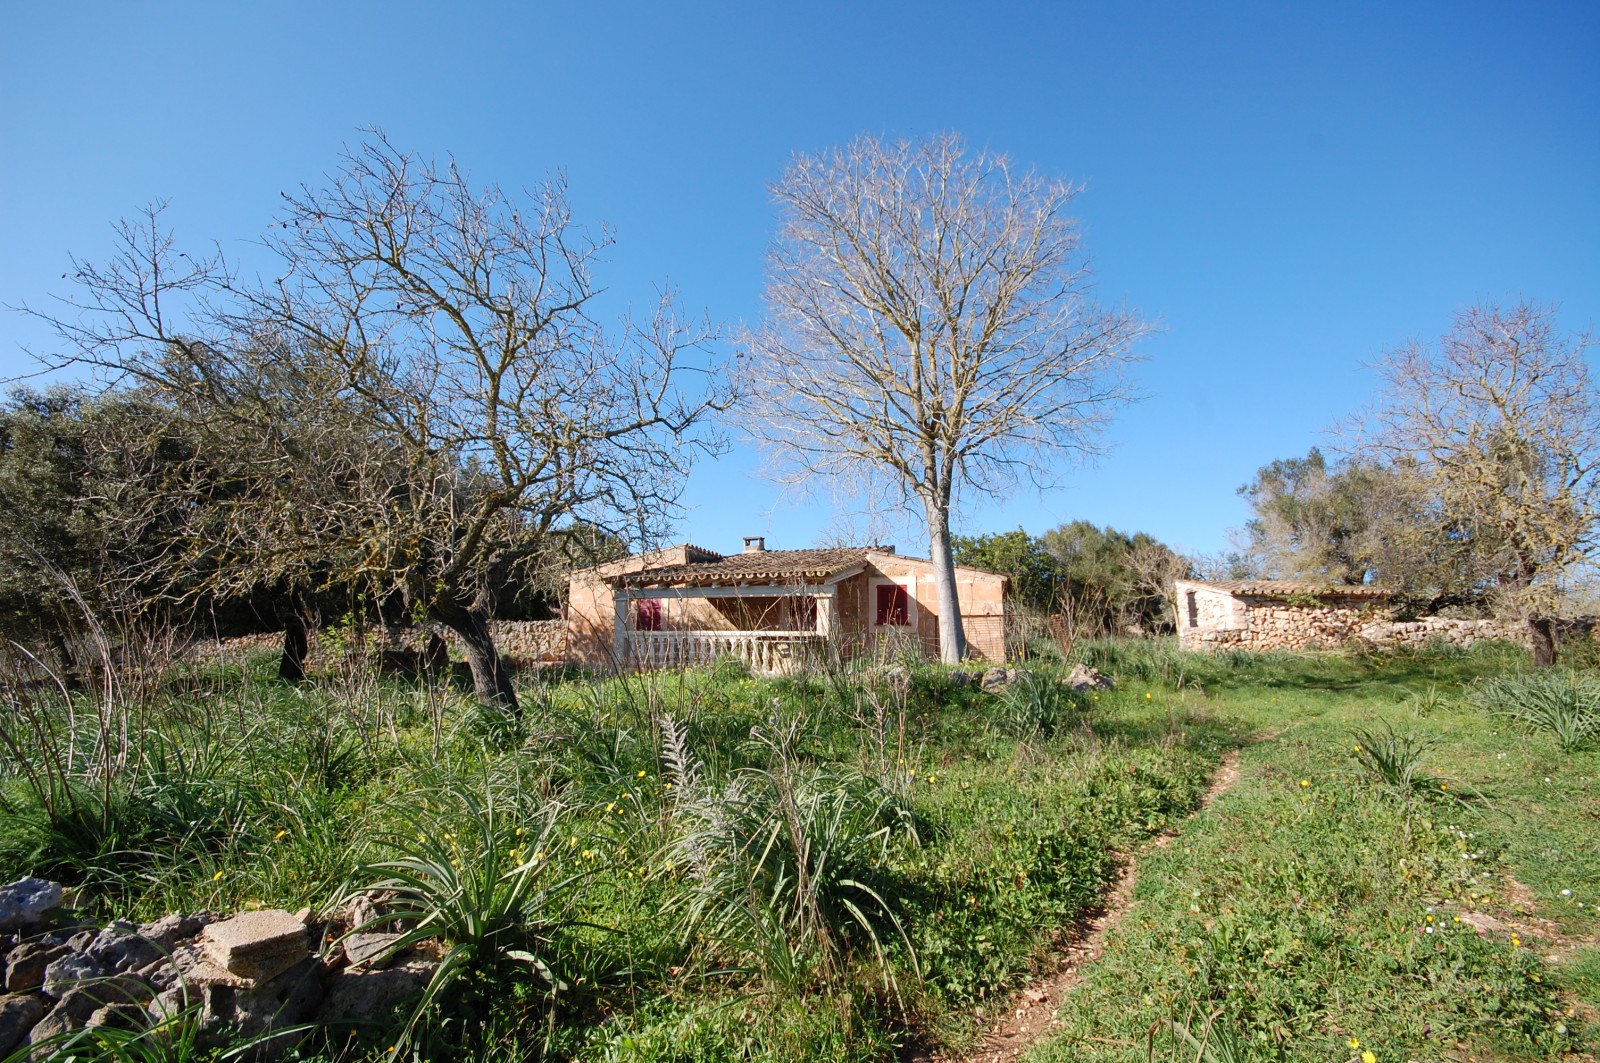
column 1274, row 614
column 685, row 604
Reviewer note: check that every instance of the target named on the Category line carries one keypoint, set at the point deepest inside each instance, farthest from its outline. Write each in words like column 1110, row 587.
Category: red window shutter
column 892, row 607
column 649, row 617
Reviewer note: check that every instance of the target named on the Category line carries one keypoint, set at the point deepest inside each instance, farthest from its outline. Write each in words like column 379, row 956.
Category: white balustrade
column 763, row 652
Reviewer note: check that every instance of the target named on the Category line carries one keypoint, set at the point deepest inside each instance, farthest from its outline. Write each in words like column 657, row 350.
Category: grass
column 704, row 865
column 1316, row 904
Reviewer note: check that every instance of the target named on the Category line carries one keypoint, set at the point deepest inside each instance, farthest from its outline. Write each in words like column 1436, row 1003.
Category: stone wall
column 1441, row 629
column 1264, row 623
column 523, row 642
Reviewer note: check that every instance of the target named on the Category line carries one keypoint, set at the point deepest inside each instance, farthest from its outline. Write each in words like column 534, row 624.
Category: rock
column 282, row 1001
column 256, row 945
column 371, row 995
column 26, row 963
column 121, row 948
column 171, row 929
column 62, row 975
column 960, row 680
column 998, row 678
column 1082, row 677
column 370, row 950
column 1482, row 923
column 71, row 1013
column 27, row 901
column 19, row 1013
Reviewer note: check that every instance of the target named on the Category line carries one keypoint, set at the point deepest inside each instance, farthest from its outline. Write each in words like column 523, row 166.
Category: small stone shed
column 685, row 604
column 1275, row 614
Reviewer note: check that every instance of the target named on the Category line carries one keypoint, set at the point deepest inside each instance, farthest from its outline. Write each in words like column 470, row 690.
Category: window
column 648, row 615
column 893, row 609
column 1194, row 610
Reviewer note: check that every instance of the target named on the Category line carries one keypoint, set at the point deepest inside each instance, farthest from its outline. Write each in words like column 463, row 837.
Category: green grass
column 709, row 866
column 1317, row 902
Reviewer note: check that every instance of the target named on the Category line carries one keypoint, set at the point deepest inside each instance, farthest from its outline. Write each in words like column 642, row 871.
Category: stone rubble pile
column 243, row 977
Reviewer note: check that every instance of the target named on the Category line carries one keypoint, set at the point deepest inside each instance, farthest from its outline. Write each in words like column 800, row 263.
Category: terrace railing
column 763, row 652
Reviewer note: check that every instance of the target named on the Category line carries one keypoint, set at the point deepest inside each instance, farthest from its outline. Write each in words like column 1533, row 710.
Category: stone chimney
column 755, row 544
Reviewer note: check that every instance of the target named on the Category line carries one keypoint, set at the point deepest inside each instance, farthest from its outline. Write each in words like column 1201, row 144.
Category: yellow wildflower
column 1353, row 1043
column 217, row 877
column 1305, row 782
column 1368, row 1057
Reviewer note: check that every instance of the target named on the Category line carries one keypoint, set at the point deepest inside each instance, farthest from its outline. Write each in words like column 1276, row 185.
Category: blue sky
column 1288, row 189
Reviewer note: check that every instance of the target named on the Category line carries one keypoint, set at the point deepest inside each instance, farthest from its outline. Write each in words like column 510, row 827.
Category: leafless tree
column 1504, row 419
column 928, row 331
column 426, row 395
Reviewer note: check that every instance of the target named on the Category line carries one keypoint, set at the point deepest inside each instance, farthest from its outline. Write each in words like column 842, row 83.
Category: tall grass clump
column 1563, row 704
column 1035, row 706
column 783, row 862
column 491, row 882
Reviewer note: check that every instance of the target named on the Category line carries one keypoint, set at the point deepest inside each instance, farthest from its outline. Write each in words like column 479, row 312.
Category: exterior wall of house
column 981, row 596
column 591, row 605
column 591, row 617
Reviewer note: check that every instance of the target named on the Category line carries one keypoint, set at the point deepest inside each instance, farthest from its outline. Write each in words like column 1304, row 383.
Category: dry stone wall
column 523, row 642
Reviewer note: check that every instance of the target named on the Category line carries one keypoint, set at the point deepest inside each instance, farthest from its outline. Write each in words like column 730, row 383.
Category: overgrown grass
column 705, row 865
column 1311, row 912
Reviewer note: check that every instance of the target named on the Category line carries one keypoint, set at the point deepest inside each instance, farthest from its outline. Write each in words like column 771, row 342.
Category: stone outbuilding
column 685, row 604
column 1275, row 614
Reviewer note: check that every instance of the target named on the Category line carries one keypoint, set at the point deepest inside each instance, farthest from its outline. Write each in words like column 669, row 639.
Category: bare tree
column 444, row 331
column 928, row 330
column 1503, row 418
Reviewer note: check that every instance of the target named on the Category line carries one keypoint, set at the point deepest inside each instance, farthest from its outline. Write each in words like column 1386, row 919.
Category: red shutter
column 649, row 616
column 892, row 608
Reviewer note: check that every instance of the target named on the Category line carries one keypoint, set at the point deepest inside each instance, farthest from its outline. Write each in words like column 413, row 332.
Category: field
column 870, row 862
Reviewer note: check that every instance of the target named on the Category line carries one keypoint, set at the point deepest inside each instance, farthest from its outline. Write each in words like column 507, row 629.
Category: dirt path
column 1032, row 1013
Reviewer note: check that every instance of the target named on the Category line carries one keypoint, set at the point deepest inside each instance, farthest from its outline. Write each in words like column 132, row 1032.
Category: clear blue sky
column 1289, row 189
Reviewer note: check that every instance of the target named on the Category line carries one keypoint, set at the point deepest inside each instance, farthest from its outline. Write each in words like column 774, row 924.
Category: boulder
column 121, row 947
column 370, row 950
column 960, row 680
column 71, row 1013
column 998, row 678
column 1082, row 677
column 26, row 963
column 27, row 902
column 60, row 976
column 256, row 946
column 367, row 996
column 171, row 929
column 19, row 1013
column 284, row 1000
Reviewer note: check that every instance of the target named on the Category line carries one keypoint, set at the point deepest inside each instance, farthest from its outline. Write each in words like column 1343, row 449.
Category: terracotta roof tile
column 1284, row 588
column 762, row 566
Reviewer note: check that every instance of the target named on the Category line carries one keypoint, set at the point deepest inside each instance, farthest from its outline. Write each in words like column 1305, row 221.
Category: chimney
column 755, row 544
column 886, row 548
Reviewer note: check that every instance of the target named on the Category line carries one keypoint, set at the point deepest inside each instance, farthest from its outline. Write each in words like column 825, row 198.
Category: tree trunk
column 71, row 676
column 1542, row 640
column 296, row 645
column 952, row 637
column 491, row 683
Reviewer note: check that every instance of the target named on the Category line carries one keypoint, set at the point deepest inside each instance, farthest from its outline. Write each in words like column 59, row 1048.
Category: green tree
column 430, row 407
column 1035, row 576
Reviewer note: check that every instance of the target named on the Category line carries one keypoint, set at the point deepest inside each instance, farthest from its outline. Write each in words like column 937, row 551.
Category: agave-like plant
column 1392, row 761
column 781, row 859
column 1558, row 702
column 482, row 880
